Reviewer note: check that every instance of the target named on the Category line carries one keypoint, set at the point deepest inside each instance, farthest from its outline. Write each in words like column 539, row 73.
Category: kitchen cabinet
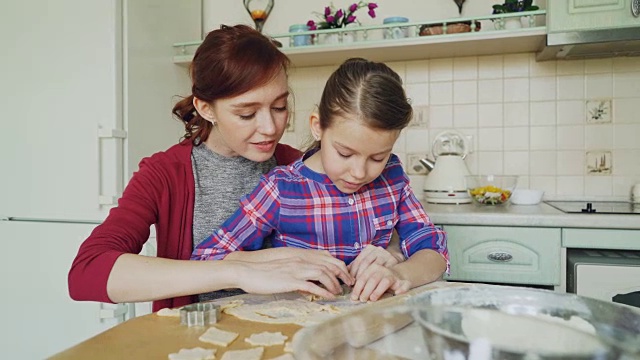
column 507, row 255
column 89, row 89
column 572, row 15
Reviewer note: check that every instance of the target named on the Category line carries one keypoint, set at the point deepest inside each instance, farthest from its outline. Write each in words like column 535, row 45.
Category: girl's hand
column 287, row 275
column 371, row 254
column 375, row 281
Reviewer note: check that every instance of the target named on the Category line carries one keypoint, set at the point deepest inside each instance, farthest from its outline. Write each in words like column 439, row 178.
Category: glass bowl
column 490, row 189
column 477, row 322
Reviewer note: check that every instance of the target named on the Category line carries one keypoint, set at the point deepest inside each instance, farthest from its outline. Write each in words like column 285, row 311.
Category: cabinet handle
column 500, row 256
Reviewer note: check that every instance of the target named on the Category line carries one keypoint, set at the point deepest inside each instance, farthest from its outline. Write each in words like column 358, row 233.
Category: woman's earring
column 316, row 137
column 214, row 123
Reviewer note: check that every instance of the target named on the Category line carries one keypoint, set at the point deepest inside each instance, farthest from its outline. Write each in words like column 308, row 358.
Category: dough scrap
column 266, row 339
column 169, row 312
column 196, row 353
column 298, row 311
column 231, row 304
column 288, row 346
column 248, row 354
column 218, row 337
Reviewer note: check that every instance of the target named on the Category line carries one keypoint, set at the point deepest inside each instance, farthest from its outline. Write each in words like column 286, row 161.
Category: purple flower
column 312, row 25
column 341, row 17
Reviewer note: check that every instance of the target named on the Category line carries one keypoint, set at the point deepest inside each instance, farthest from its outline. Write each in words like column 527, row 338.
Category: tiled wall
column 571, row 128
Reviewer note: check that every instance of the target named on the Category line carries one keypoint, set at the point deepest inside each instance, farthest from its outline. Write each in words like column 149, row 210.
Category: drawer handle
column 500, row 256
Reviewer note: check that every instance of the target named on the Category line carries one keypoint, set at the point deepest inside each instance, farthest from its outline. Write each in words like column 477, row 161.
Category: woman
column 234, row 119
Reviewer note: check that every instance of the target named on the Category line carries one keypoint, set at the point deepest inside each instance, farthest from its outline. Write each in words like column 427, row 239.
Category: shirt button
column 350, row 201
column 389, row 222
column 356, row 245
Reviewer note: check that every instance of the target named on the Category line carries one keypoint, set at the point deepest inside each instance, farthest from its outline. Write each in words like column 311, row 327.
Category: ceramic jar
column 299, row 40
column 399, row 32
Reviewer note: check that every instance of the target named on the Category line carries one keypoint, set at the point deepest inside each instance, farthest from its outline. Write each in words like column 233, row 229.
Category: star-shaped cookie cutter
column 199, row 314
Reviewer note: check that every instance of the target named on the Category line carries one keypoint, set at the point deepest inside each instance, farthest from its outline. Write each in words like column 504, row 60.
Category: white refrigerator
column 86, row 91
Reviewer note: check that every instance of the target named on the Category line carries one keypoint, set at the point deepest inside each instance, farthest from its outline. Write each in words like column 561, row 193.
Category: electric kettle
column 445, row 183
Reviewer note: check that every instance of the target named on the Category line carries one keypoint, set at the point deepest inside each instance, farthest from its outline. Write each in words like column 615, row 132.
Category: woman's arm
column 185, row 277
column 318, row 257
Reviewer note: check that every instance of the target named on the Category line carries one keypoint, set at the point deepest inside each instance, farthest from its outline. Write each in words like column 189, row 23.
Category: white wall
column 288, row 12
column 526, row 118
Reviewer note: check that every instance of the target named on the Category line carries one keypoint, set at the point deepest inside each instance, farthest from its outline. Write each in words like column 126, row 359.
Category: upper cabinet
column 574, row 15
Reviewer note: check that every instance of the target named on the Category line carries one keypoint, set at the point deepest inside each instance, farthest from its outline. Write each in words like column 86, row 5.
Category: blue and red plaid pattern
column 295, row 206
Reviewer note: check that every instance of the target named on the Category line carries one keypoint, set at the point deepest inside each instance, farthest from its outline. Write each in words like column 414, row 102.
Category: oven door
column 605, row 275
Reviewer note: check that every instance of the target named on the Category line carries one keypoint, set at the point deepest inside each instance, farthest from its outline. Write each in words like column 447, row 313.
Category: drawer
column 505, row 255
column 601, row 239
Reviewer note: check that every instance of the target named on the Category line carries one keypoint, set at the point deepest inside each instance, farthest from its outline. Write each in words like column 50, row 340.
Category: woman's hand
column 323, row 258
column 294, row 274
column 375, row 280
column 371, row 254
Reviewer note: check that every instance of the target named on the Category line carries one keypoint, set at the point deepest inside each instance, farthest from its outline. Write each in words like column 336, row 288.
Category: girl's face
column 352, row 154
column 249, row 125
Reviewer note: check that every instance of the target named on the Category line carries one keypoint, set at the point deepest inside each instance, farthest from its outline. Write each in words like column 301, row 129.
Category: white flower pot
column 337, row 38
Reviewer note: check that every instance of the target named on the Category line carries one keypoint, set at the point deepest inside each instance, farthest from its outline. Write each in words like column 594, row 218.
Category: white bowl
column 526, row 197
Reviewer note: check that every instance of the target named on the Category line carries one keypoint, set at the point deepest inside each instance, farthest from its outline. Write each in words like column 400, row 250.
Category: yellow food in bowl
column 490, row 195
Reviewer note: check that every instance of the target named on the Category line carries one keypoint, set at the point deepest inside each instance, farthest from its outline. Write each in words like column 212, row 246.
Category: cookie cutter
column 200, row 314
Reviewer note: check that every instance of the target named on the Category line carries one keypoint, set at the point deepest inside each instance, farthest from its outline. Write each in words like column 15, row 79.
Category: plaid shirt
column 298, row 207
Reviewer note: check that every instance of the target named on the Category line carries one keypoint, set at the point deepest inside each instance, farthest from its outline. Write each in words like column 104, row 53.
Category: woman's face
column 352, row 154
column 250, row 125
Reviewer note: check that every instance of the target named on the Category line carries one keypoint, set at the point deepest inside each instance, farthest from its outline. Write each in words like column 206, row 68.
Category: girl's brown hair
column 370, row 91
column 230, row 61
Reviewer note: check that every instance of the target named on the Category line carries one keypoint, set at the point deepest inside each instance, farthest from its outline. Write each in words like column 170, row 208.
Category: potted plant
column 512, row 6
column 333, row 18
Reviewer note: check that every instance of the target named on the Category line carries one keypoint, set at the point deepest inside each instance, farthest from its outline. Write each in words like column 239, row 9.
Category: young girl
column 348, row 192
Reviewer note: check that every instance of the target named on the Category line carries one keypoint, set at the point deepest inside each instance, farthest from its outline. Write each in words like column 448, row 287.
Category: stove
column 596, row 207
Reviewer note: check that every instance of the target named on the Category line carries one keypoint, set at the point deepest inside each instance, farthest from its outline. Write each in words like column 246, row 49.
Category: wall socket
column 414, row 167
column 420, row 117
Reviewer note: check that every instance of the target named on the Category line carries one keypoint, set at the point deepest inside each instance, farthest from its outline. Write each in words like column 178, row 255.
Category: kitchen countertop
column 155, row 337
column 541, row 215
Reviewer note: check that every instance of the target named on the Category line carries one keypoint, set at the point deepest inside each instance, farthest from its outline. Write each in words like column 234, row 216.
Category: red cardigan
column 161, row 192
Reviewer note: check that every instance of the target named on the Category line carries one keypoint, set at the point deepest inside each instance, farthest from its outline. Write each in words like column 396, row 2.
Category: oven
column 610, row 275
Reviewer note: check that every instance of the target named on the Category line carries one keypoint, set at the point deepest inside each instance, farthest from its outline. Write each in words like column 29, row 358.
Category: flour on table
column 169, row 312
column 266, row 339
column 231, row 304
column 196, row 353
column 218, row 337
column 284, row 357
column 298, row 311
column 513, row 332
column 249, row 354
column 288, row 347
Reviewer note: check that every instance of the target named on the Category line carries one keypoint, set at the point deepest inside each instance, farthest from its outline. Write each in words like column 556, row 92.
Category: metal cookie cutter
column 200, row 314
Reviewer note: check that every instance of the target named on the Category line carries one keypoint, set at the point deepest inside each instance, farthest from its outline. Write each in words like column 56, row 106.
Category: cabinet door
column 572, row 15
column 40, row 319
column 504, row 255
column 60, row 85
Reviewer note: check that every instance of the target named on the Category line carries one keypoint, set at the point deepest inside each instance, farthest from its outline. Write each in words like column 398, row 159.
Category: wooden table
column 155, row 337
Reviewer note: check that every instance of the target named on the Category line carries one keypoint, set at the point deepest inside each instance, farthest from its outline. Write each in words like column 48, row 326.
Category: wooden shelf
column 484, row 42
